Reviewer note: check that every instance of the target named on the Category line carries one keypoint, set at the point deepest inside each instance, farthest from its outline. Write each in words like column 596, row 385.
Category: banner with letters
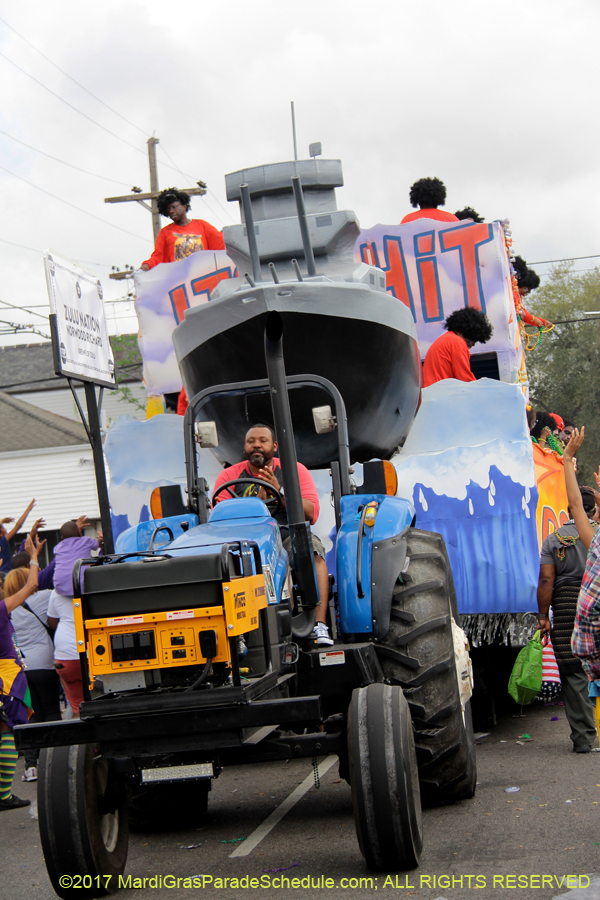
column 435, row 268
column 162, row 296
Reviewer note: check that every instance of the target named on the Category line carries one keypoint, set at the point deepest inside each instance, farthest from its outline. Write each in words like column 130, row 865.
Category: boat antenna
column 297, row 270
column 301, row 208
column 249, row 220
column 274, row 272
column 294, row 132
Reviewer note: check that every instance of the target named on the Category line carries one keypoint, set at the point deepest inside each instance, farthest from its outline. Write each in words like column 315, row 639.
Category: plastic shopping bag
column 551, row 685
column 525, row 680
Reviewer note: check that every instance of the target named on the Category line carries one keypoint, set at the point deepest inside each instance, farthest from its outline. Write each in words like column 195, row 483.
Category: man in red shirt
column 428, row 194
column 260, row 462
column 448, row 356
column 184, row 236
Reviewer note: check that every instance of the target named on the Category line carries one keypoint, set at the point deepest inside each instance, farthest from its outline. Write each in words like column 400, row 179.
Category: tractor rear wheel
column 384, row 778
column 418, row 655
column 83, row 821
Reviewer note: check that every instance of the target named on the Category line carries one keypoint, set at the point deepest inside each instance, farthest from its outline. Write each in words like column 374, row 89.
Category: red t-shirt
column 438, row 214
column 308, row 488
column 448, row 357
column 178, row 241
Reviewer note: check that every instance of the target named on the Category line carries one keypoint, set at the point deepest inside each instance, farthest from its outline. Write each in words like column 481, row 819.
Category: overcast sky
column 496, row 98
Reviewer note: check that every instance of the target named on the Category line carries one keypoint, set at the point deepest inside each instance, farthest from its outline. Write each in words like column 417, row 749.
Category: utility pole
column 152, row 142
column 141, row 198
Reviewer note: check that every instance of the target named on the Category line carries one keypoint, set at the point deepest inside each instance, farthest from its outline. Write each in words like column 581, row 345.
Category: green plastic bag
column 525, row 680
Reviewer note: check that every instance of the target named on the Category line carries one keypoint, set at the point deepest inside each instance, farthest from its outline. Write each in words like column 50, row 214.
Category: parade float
column 465, row 459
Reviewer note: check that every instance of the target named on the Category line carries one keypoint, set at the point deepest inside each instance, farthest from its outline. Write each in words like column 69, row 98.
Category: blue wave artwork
column 468, row 467
column 142, row 456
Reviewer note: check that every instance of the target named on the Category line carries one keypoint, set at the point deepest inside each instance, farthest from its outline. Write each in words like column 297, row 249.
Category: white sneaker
column 321, row 635
column 29, row 774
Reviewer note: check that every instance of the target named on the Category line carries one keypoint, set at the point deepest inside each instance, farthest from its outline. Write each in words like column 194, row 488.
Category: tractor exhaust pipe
column 302, row 551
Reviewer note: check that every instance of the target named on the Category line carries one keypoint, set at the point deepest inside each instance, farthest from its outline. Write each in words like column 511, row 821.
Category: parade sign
column 162, row 296
column 79, row 334
column 436, row 267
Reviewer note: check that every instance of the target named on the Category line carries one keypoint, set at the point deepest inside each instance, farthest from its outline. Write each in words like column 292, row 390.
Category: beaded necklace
column 568, row 540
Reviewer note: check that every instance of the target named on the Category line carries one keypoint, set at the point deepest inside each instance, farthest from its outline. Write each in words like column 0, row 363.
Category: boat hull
column 361, row 340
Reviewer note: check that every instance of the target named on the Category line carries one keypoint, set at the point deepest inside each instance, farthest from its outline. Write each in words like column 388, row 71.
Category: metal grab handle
column 361, row 529
column 228, row 548
column 155, row 532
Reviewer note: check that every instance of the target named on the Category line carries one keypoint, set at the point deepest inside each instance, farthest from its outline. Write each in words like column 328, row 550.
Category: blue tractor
column 168, row 701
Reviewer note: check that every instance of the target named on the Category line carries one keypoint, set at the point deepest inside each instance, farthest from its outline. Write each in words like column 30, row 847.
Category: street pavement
column 497, row 845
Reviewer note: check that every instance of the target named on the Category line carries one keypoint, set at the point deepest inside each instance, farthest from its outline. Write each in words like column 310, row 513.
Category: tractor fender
column 380, row 568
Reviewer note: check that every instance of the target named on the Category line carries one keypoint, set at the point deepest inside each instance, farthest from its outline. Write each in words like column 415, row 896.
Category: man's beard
column 258, row 459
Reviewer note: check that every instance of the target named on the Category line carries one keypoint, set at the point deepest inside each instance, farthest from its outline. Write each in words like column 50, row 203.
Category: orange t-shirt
column 448, row 357
column 438, row 214
column 178, row 241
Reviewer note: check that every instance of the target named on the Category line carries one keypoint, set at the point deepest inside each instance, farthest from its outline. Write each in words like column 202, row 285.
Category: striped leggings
column 8, row 763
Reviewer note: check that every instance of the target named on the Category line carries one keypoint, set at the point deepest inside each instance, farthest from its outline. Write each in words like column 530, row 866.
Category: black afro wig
column 526, row 277
column 469, row 213
column 543, row 420
column 428, row 193
column 471, row 324
column 171, row 195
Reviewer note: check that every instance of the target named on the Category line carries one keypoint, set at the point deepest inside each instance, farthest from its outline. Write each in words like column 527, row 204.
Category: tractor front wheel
column 384, row 778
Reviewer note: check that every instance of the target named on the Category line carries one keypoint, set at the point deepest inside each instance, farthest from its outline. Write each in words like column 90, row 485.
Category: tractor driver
column 260, row 462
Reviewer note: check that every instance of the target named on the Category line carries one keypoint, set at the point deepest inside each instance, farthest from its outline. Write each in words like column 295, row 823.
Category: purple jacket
column 66, row 554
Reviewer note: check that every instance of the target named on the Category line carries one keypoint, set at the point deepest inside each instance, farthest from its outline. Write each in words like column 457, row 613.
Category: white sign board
column 81, row 344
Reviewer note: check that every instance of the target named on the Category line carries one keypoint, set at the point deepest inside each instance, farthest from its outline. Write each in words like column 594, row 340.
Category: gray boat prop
column 338, row 320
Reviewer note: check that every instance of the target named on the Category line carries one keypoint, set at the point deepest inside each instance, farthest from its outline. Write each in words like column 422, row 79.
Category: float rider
column 260, row 462
column 428, row 194
column 180, row 239
column 183, row 236
column 448, row 356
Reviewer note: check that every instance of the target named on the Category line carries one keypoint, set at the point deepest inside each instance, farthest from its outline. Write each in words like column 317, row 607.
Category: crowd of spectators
column 39, row 661
column 569, row 579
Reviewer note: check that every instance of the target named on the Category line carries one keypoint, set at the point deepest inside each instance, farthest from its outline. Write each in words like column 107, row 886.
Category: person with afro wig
column 183, row 236
column 448, row 356
column 527, row 280
column 428, row 194
column 468, row 213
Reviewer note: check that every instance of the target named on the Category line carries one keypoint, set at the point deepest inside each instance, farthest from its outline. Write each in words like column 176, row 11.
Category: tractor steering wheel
column 260, row 481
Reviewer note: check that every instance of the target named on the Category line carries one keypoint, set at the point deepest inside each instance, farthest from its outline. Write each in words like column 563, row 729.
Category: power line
column 23, row 309
column 81, row 113
column 16, row 328
column 542, row 262
column 72, row 205
column 62, row 161
column 70, row 105
column 70, row 77
column 191, row 178
column 573, row 272
column 570, row 321
column 87, row 262
column 22, row 246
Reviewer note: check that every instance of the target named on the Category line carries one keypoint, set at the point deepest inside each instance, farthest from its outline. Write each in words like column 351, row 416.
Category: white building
column 27, row 372
column 44, row 449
